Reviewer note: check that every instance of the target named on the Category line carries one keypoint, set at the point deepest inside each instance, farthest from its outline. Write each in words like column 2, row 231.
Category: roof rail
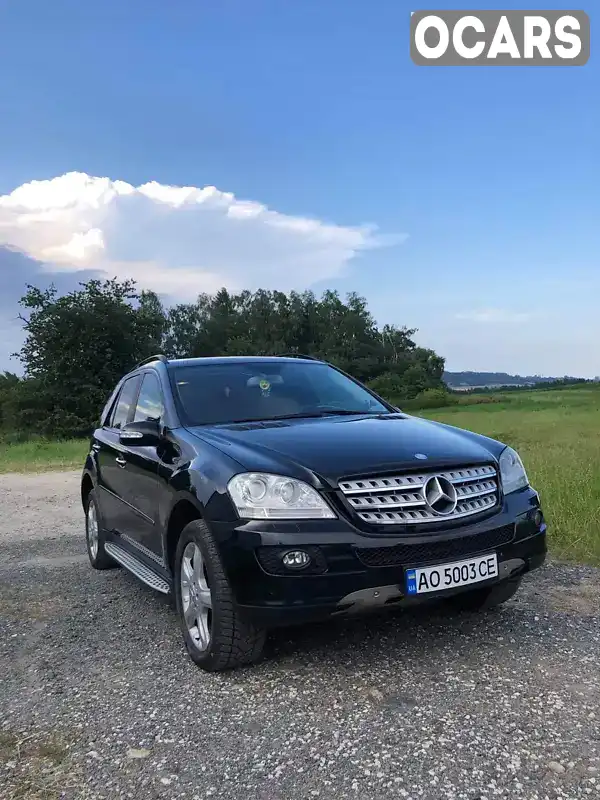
column 298, row 355
column 159, row 357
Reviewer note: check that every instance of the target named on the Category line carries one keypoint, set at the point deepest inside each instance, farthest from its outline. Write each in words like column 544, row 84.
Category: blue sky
column 487, row 176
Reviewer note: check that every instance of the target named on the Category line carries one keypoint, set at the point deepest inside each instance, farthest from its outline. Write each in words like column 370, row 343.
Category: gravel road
column 99, row 700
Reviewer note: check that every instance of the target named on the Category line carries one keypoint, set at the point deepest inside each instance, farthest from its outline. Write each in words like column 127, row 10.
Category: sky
column 288, row 145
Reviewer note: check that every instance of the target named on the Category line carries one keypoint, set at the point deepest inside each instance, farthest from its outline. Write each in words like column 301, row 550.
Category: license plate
column 450, row 576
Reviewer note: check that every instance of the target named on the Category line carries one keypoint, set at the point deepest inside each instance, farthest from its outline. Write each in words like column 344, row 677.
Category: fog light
column 296, row 559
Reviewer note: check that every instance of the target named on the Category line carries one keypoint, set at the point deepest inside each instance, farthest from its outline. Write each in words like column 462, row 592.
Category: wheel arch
column 185, row 510
column 87, row 485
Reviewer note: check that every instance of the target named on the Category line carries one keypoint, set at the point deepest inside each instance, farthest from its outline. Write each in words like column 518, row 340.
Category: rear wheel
column 215, row 636
column 486, row 598
column 94, row 535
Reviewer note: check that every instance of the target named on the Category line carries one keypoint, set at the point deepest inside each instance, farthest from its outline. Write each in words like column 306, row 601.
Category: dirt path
column 99, row 700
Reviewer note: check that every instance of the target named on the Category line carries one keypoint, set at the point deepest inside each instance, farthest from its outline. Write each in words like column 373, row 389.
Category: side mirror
column 145, row 433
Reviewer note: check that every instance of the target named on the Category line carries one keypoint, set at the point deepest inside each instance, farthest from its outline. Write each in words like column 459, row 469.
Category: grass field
column 556, row 432
column 40, row 455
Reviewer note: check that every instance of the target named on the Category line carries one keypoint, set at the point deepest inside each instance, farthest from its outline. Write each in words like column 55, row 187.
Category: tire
column 487, row 598
column 99, row 558
column 215, row 636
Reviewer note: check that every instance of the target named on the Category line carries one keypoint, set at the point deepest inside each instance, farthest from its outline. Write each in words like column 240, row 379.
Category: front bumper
column 356, row 571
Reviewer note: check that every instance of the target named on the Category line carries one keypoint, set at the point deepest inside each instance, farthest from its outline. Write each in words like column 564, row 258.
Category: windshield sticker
column 265, row 387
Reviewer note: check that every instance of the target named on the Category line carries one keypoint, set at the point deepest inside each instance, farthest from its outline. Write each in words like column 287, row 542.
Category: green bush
column 431, row 398
column 394, row 388
column 390, row 386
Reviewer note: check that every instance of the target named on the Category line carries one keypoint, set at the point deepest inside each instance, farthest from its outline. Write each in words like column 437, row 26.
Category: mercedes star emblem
column 440, row 495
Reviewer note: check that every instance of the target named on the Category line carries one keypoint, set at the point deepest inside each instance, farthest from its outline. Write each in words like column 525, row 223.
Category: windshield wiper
column 303, row 414
column 345, row 411
column 299, row 415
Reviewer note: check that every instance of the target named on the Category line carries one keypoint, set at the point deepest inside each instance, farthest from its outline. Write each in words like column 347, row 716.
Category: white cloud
column 81, row 247
column 494, row 315
column 176, row 240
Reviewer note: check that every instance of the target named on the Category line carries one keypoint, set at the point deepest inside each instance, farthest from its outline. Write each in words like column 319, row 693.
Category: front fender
column 206, row 491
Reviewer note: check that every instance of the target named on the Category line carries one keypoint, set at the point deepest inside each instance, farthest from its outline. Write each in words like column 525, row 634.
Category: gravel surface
column 99, row 700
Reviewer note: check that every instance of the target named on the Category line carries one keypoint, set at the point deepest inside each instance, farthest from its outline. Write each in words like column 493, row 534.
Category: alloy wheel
column 92, row 530
column 196, row 596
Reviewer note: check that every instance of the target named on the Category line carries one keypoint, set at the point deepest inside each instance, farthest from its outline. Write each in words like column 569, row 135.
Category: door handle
column 121, row 461
column 96, row 448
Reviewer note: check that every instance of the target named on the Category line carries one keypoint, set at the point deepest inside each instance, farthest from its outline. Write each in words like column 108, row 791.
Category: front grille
column 430, row 552
column 400, row 499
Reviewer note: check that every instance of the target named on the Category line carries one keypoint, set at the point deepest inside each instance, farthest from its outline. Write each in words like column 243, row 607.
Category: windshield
column 242, row 392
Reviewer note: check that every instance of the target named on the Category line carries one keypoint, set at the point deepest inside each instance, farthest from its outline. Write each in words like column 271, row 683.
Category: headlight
column 260, row 496
column 512, row 471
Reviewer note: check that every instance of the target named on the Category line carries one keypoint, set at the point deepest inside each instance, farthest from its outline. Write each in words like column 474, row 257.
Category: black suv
column 268, row 491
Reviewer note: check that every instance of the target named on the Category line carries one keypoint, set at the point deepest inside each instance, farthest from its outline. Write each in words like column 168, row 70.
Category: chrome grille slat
column 395, row 500
column 400, row 500
column 477, row 489
column 367, row 485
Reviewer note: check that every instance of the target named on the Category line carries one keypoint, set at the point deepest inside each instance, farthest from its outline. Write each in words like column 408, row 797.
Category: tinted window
column 216, row 393
column 124, row 403
column 109, row 409
column 149, row 404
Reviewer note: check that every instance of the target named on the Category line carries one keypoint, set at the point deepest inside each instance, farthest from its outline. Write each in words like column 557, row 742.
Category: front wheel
column 215, row 636
column 486, row 598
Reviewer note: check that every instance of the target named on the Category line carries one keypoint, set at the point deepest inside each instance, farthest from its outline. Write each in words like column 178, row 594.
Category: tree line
column 78, row 345
column 499, row 380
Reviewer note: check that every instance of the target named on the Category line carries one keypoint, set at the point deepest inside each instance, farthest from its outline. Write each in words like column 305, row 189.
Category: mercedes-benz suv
column 268, row 491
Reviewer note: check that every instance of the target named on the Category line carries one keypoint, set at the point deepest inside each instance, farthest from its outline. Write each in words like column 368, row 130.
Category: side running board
column 141, row 571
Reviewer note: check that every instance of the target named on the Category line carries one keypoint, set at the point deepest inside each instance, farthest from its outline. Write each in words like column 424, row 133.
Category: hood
column 336, row 447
